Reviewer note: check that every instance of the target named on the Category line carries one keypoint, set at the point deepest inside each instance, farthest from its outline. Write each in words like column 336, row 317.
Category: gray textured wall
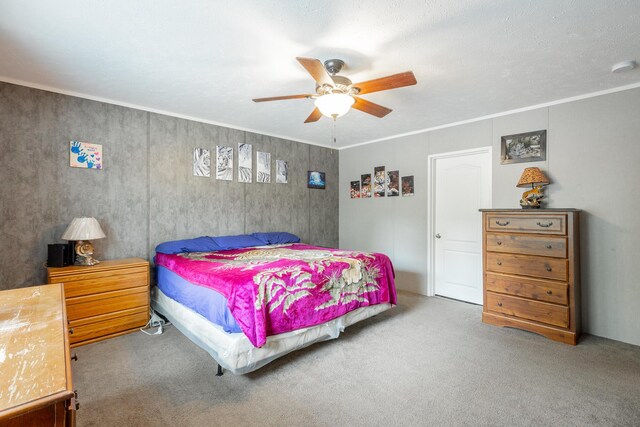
column 146, row 193
column 592, row 160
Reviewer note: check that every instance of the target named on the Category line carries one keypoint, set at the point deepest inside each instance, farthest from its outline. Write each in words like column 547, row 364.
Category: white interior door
column 462, row 186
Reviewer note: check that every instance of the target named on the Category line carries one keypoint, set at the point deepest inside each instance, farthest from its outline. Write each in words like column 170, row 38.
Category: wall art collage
column 381, row 184
column 224, row 165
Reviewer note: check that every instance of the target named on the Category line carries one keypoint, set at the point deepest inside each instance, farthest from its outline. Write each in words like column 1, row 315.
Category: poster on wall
column 393, row 183
column 524, row 147
column 316, row 179
column 245, row 162
column 201, row 162
column 264, row 167
column 85, row 155
column 365, row 187
column 407, row 185
column 224, row 163
column 355, row 189
column 282, row 172
column 378, row 181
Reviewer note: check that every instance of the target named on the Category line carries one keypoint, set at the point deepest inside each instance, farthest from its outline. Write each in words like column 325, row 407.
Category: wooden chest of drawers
column 36, row 381
column 104, row 300
column 531, row 271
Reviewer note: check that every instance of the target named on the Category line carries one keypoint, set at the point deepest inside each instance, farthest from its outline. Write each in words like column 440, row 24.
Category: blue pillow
column 199, row 244
column 276, row 237
column 237, row 242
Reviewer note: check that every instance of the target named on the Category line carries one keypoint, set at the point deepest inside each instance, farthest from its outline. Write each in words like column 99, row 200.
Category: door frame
column 431, row 208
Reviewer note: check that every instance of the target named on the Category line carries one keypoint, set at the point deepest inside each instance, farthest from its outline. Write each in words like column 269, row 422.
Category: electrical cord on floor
column 155, row 321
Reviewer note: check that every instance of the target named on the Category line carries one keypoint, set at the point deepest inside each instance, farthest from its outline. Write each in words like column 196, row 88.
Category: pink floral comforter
column 277, row 289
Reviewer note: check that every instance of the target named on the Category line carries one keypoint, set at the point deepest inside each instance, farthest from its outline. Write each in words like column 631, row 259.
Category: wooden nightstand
column 104, row 300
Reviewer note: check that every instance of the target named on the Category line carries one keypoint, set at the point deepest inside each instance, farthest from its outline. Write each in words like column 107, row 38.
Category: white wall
column 593, row 161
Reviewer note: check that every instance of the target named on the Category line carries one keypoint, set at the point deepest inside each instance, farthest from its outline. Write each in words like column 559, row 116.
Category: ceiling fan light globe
column 334, row 105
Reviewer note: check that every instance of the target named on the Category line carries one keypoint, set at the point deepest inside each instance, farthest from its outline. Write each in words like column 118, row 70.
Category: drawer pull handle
column 548, row 268
column 499, row 243
column 499, row 304
column 502, row 224
column 499, row 263
column 70, row 331
column 549, row 224
column 74, row 357
column 548, row 246
column 549, row 292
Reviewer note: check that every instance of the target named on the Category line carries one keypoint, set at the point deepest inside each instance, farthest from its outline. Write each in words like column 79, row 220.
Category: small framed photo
column 316, row 179
column 85, row 155
column 524, row 147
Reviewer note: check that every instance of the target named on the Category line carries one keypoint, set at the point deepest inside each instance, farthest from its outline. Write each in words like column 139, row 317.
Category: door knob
column 438, row 236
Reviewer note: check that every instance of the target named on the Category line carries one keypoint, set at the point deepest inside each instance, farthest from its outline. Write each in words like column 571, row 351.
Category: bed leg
column 220, row 373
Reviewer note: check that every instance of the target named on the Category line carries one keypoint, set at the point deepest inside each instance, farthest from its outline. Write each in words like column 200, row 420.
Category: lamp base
column 84, row 253
column 531, row 199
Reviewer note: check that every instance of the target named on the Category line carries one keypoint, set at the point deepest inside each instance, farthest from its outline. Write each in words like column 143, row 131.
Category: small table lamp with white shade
column 82, row 230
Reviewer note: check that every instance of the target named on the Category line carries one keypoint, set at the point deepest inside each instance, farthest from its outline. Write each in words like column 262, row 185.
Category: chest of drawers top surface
column 33, row 346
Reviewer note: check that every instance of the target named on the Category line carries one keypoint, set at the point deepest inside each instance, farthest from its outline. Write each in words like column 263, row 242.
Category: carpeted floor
column 428, row 361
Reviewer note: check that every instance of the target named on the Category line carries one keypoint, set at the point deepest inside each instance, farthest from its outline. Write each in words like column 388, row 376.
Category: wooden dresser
column 531, row 271
column 35, row 375
column 104, row 300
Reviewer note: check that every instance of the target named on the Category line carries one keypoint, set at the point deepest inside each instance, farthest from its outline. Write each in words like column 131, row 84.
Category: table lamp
column 536, row 178
column 82, row 230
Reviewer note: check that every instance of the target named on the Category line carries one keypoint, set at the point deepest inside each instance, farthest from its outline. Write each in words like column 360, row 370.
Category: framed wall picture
column 393, row 184
column 355, row 189
column 524, row 147
column 316, row 179
column 365, row 185
column 85, row 155
column 378, row 181
column 407, row 186
column 201, row 162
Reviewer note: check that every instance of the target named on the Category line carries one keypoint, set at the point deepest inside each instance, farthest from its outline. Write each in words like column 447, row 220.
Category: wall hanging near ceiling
column 264, row 167
column 378, row 181
column 407, row 185
column 245, row 162
column 393, row 183
column 282, row 172
column 316, row 179
column 85, row 155
column 201, row 162
column 224, row 163
column 524, row 147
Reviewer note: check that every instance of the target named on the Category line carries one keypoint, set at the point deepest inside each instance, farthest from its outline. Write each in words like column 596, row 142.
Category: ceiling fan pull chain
column 334, row 135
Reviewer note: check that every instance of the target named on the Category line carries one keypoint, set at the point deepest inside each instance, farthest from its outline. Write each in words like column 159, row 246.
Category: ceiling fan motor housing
column 333, row 66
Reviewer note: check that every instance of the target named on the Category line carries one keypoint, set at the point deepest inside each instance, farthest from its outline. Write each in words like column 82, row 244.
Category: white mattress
column 234, row 352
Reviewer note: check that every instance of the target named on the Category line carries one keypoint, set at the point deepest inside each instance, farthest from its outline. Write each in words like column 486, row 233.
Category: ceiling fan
column 335, row 95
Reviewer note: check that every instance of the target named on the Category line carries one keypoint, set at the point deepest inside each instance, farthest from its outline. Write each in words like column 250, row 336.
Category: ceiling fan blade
column 280, row 98
column 370, row 107
column 317, row 71
column 314, row 116
column 385, row 83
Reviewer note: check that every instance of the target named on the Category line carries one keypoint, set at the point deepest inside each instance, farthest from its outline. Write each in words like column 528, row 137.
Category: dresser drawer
column 106, row 302
column 84, row 285
column 527, row 245
column 103, row 328
column 541, row 290
column 539, row 224
column 527, row 265
column 537, row 311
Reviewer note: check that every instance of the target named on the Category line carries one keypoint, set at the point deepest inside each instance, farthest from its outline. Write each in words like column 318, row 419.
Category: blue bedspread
column 204, row 301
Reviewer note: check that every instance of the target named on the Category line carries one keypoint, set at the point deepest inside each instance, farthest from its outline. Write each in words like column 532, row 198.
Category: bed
column 250, row 299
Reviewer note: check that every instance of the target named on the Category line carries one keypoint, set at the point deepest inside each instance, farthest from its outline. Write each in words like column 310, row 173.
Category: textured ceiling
column 207, row 59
